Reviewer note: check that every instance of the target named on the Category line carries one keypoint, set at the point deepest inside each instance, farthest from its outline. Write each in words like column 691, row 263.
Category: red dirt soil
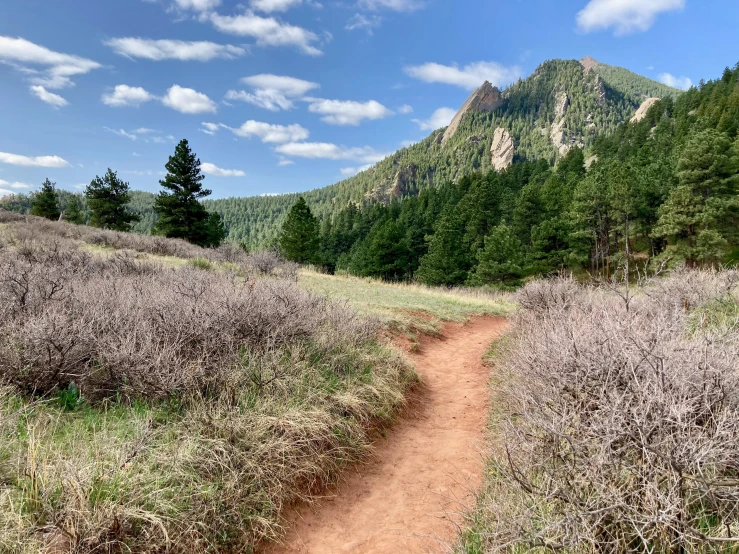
column 409, row 498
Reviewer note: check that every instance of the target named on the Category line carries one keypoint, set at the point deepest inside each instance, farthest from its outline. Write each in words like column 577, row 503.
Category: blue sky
column 288, row 95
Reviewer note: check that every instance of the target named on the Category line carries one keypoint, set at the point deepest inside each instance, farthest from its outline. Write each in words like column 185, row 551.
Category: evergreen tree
column 45, row 202
column 501, row 260
column 181, row 214
column 447, row 261
column 700, row 213
column 299, row 238
column 107, row 198
column 73, row 213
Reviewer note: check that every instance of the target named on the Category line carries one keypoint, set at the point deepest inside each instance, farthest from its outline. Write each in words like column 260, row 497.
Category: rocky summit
column 487, row 98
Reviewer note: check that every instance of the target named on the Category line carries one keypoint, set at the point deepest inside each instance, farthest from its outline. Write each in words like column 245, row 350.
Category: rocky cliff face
column 589, row 63
column 485, row 99
column 641, row 113
column 502, row 149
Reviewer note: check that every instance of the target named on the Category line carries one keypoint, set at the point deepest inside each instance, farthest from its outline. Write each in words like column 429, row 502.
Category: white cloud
column 324, row 150
column 215, row 171
column 362, row 22
column 272, row 92
column 274, row 5
column 267, row 31
column 625, row 16
column 440, row 118
column 210, row 128
column 397, row 5
column 15, row 185
column 121, row 133
column 683, row 83
column 48, row 97
column 268, row 132
column 189, row 101
column 289, row 86
column 37, row 161
column 285, row 162
column 145, row 131
column 267, row 99
column 405, row 109
column 158, row 50
column 55, row 69
column 349, row 171
column 470, row 76
column 197, row 5
column 348, row 112
column 123, row 95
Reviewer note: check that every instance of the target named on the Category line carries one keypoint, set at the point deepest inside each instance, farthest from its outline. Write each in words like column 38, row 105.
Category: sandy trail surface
column 408, row 498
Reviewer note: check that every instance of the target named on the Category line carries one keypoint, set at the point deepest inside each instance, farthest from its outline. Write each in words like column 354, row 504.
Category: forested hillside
column 660, row 189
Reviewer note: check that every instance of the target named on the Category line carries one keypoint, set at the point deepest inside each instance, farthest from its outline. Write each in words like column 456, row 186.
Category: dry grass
column 621, row 427
column 155, row 408
column 407, row 307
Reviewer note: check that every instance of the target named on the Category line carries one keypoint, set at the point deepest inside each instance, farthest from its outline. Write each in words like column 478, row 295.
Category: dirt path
column 407, row 499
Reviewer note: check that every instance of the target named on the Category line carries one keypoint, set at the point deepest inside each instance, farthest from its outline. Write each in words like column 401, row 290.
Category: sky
column 280, row 96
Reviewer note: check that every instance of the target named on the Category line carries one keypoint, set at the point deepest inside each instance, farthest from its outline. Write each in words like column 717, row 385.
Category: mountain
column 561, row 105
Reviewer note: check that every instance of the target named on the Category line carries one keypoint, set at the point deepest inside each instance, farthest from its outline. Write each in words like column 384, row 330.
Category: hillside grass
column 156, row 397
column 408, row 308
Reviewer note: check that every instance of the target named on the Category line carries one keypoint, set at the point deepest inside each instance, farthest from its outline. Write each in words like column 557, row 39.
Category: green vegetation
column 299, row 236
column 181, row 214
column 107, row 198
column 44, row 203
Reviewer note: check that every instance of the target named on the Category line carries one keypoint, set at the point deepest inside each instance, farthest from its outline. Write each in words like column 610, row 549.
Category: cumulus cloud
column 284, row 162
column 16, row 185
column 440, row 118
column 147, row 135
column 396, row 5
column 37, row 161
column 362, row 22
column 157, row 50
column 405, row 109
column 274, row 5
column 470, row 76
column 271, row 133
column 328, row 151
column 348, row 112
column 272, row 92
column 47, row 68
column 188, row 101
column 210, row 128
column 197, row 5
column 624, row 16
column 683, row 83
column 121, row 133
column 215, row 171
column 48, row 97
column 267, row 31
column 123, row 95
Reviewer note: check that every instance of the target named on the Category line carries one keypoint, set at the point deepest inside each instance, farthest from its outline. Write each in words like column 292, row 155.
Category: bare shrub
column 624, row 433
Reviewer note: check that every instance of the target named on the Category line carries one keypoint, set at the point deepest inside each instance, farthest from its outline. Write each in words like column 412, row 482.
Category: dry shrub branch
column 623, row 433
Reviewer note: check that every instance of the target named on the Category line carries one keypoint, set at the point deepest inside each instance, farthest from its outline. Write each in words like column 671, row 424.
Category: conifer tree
column 447, row 261
column 181, row 214
column 45, row 202
column 107, row 198
column 697, row 216
column 501, row 260
column 299, row 238
column 73, row 213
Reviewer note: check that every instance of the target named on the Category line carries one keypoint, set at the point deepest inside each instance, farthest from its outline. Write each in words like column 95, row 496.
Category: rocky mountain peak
column 589, row 63
column 485, row 99
column 641, row 113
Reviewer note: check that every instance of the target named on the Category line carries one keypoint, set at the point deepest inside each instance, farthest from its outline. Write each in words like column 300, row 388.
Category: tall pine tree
column 181, row 214
column 45, row 202
column 107, row 198
column 299, row 237
column 73, row 213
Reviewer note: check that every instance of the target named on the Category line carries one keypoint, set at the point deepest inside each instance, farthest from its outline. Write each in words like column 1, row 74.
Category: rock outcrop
column 589, row 63
column 557, row 134
column 641, row 113
column 485, row 99
column 502, row 149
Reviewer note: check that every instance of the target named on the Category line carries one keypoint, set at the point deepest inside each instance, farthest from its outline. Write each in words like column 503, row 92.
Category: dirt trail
column 408, row 498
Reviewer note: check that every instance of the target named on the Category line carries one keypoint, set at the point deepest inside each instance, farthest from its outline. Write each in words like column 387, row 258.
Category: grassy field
column 408, row 308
